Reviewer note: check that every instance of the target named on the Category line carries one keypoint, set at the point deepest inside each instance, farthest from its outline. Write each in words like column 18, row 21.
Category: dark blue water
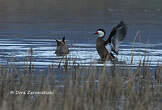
column 37, row 23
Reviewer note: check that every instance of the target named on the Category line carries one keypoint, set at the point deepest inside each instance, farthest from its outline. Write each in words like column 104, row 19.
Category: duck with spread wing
column 107, row 49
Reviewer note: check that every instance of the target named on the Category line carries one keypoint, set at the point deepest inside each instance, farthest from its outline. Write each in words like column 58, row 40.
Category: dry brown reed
column 84, row 88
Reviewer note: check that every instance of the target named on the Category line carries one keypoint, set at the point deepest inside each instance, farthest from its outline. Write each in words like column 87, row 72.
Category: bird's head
column 100, row 32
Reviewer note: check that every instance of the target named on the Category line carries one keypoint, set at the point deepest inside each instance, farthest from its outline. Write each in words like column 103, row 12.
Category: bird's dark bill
column 96, row 33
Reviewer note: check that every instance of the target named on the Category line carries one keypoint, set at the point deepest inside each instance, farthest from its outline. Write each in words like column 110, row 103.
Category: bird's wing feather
column 119, row 36
column 59, row 43
column 115, row 44
column 121, row 32
column 63, row 39
column 112, row 33
column 108, row 47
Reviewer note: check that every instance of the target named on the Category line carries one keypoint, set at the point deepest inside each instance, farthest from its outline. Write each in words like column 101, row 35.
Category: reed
column 83, row 88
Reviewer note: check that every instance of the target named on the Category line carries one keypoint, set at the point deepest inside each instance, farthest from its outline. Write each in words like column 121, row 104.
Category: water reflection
column 83, row 54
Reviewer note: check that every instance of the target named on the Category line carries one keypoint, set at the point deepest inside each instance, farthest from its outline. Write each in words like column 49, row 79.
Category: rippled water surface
column 25, row 23
column 82, row 53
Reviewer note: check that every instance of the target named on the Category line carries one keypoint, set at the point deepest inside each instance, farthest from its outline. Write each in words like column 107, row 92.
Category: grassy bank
column 85, row 88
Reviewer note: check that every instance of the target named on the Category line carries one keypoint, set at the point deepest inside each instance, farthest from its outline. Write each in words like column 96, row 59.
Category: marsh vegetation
column 81, row 87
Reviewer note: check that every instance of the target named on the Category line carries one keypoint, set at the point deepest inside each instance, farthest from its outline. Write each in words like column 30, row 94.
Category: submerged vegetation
column 80, row 87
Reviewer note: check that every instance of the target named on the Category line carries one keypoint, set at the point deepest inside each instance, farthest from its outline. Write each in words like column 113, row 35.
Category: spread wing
column 117, row 35
column 121, row 31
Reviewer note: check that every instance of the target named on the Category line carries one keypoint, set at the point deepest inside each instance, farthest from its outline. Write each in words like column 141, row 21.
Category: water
column 82, row 53
column 36, row 23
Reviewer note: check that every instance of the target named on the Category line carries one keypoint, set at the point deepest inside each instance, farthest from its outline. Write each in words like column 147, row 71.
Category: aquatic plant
column 81, row 87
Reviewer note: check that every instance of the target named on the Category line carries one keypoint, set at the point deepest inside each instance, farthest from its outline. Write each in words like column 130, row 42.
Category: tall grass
column 84, row 88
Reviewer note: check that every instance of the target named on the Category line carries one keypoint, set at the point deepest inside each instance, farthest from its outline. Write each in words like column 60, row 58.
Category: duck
column 61, row 49
column 108, row 48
